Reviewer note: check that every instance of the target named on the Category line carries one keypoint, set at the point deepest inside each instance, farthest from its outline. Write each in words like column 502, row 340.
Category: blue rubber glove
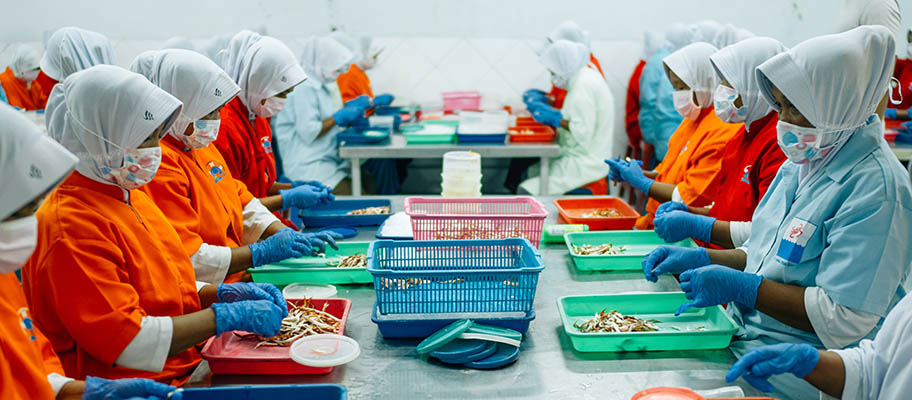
column 232, row 292
column 890, row 113
column 547, row 115
column 304, row 196
column 534, row 94
column 383, row 100
column 670, row 206
column 262, row 317
column 673, row 260
column 534, row 105
column 907, row 126
column 363, row 101
column 316, row 184
column 630, row 172
column 318, row 240
column 286, row 243
column 349, row 116
column 676, row 226
column 713, row 285
column 761, row 363
column 129, row 388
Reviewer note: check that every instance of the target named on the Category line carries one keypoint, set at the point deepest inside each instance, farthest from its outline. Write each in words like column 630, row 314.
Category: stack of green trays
column 315, row 269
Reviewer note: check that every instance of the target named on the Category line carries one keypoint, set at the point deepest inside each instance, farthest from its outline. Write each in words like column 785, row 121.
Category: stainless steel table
column 548, row 367
column 397, row 148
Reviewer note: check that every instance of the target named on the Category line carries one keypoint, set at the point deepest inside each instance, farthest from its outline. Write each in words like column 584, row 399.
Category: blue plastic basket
column 310, row 392
column 335, row 214
column 425, row 325
column 454, row 276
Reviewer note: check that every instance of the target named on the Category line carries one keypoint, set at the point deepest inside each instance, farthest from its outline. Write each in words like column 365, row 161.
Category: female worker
column 18, row 81
column 567, row 30
column 750, row 160
column 30, row 369
column 217, row 218
column 70, row 50
column 354, row 82
column 689, row 171
column 306, row 130
column 829, row 243
column 585, row 124
column 109, row 283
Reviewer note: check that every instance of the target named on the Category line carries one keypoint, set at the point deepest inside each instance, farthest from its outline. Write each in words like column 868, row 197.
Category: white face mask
column 17, row 242
column 30, row 76
column 684, row 105
column 269, row 109
column 724, row 104
column 140, row 166
column 801, row 145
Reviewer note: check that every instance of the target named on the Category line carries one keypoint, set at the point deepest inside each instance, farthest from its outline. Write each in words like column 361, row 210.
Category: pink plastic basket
column 461, row 101
column 476, row 218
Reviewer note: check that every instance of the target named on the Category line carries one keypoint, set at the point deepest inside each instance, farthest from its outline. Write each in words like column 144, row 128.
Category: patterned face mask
column 724, row 104
column 140, row 166
column 801, row 145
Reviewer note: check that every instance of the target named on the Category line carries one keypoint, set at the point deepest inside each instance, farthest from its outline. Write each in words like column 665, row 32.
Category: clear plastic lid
column 309, row 290
column 325, row 350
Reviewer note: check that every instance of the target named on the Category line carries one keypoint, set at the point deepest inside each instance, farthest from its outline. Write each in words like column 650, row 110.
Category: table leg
column 543, row 178
column 356, row 176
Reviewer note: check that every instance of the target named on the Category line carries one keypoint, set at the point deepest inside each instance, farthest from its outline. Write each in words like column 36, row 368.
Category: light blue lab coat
column 304, row 155
column 658, row 118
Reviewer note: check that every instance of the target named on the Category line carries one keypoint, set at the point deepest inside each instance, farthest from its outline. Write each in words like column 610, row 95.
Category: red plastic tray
column 572, row 211
column 228, row 354
column 526, row 121
column 541, row 134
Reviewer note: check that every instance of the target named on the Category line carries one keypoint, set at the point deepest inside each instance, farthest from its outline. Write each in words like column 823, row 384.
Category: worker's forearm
column 721, row 235
column 208, row 295
column 72, row 390
column 785, row 303
column 191, row 329
column 829, row 374
column 661, row 191
column 274, row 189
column 902, row 114
column 272, row 203
column 328, row 124
column 698, row 210
column 565, row 124
column 733, row 258
column 241, row 259
column 651, row 174
column 272, row 229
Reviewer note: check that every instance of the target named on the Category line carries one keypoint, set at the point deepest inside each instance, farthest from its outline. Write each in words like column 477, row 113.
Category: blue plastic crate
column 425, row 325
column 371, row 136
column 310, row 392
column 335, row 214
column 497, row 138
column 454, row 276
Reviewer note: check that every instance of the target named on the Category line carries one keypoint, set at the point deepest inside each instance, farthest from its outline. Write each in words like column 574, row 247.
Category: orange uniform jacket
column 354, row 83
column 21, row 95
column 99, row 267
column 693, row 160
column 557, row 94
column 27, row 355
column 247, row 148
column 46, row 82
column 205, row 203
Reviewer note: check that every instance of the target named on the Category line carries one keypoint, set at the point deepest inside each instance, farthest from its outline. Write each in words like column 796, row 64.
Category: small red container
column 229, row 354
column 526, row 121
column 541, row 133
column 572, row 211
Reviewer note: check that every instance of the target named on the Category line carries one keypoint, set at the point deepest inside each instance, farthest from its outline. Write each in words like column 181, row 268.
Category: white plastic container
column 462, row 163
column 381, row 121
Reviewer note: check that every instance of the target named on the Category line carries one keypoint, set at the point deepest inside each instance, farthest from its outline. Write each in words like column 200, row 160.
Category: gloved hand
column 362, row 101
column 547, row 115
column 761, row 363
column 670, row 206
column 672, row 260
column 232, row 292
column 534, row 94
column 630, row 172
column 906, row 126
column 286, row 243
column 383, row 100
column 318, row 240
column 129, row 388
column 890, row 113
column 316, row 184
column 676, row 226
column 349, row 115
column 714, row 284
column 256, row 316
column 536, row 104
column 304, row 196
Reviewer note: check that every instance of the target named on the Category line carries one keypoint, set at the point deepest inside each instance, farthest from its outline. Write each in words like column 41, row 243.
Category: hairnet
column 729, row 35
column 31, row 163
column 737, row 64
column 569, row 30
column 191, row 77
column 102, row 111
column 692, row 65
column 835, row 81
column 179, row 42
column 565, row 58
column 351, row 44
column 652, row 42
column 261, row 65
column 25, row 58
column 71, row 50
column 679, row 35
column 322, row 56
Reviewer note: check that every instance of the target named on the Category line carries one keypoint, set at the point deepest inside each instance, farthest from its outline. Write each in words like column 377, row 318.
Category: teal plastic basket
column 454, row 276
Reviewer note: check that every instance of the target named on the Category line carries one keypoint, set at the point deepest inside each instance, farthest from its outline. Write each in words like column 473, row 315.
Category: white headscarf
column 738, row 64
column 652, row 42
column 191, row 77
column 212, row 47
column 692, row 65
column 179, row 42
column 569, row 30
column 261, row 65
column 30, row 162
column 102, row 111
column 71, row 50
column 323, row 56
column 729, row 35
column 565, row 58
column 707, row 30
column 350, row 43
column 679, row 35
column 25, row 59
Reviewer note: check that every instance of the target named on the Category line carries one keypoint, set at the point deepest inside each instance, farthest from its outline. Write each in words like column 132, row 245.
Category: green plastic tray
column 422, row 138
column 314, row 269
column 675, row 333
column 639, row 243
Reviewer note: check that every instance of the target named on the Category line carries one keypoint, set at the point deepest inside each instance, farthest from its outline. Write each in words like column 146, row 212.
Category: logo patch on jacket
column 216, row 169
column 795, row 238
column 746, row 177
column 267, row 145
column 25, row 322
